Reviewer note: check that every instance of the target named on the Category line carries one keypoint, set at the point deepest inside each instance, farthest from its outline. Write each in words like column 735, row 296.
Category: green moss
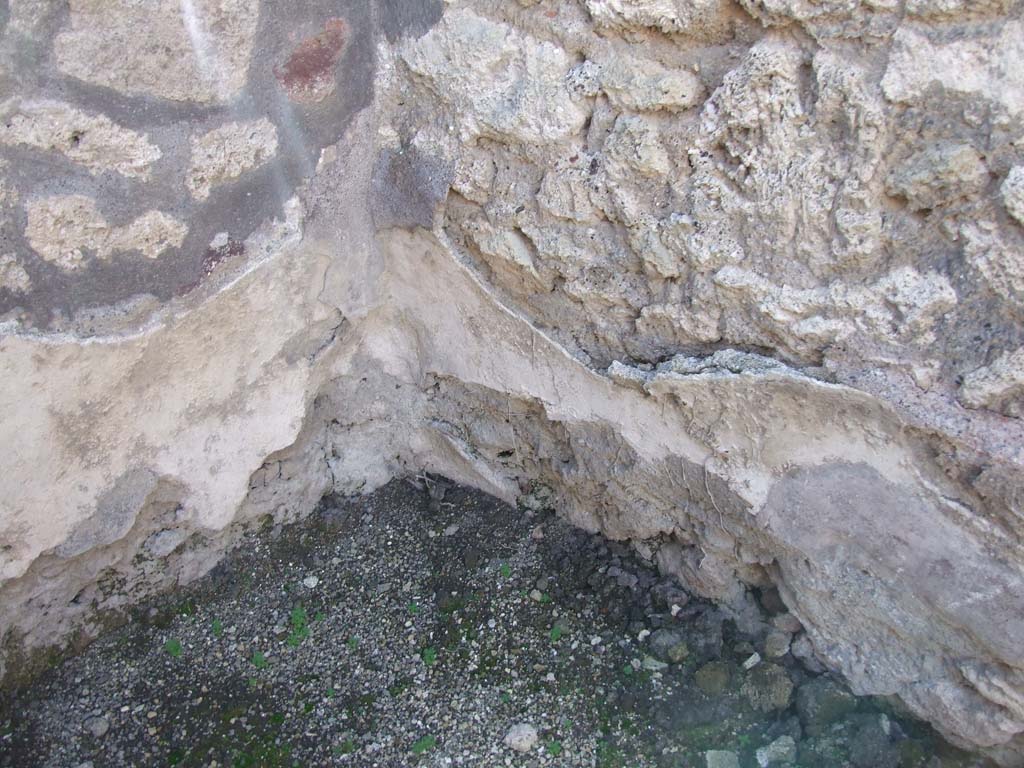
column 424, row 744
column 300, row 626
column 173, row 647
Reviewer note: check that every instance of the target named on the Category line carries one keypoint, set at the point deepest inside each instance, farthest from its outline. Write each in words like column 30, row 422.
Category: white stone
column 635, row 143
column 162, row 543
column 780, row 751
column 8, row 195
column 521, row 737
column 564, row 193
column 939, row 174
column 997, row 259
column 507, row 249
column 951, row 9
column 776, row 644
column 718, row 758
column 652, row 664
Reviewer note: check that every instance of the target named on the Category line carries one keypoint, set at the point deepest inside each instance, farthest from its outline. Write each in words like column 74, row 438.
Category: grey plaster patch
column 843, row 516
column 115, row 514
column 163, row 543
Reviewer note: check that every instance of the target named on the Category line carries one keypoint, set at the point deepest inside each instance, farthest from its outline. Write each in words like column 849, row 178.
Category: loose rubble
column 362, row 637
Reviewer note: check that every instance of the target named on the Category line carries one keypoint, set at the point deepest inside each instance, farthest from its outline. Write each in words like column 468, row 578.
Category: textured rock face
column 742, row 283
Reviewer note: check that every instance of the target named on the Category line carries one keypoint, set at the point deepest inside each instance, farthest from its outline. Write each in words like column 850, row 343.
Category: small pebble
column 717, row 758
column 97, row 726
column 776, row 644
column 779, row 752
column 521, row 737
column 651, row 664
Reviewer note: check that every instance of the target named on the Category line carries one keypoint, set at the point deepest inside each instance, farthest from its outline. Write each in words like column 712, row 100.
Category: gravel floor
column 407, row 629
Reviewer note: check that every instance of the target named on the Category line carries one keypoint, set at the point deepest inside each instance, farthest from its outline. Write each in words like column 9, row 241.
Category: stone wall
column 742, row 282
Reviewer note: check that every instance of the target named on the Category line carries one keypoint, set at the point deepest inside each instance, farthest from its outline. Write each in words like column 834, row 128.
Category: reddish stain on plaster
column 211, row 260
column 308, row 74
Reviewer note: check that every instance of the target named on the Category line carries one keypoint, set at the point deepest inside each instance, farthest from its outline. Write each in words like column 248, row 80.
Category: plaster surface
column 741, row 283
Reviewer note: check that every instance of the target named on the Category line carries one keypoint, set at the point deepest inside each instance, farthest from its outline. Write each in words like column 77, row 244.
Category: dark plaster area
column 407, row 188
column 408, row 17
column 329, row 43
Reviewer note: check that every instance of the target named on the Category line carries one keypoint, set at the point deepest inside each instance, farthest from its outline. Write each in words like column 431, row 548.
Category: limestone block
column 938, row 175
column 61, row 228
column 498, row 81
column 192, row 50
column 13, row 276
column 92, row 140
column 998, row 384
column 999, row 261
column 635, row 143
column 226, row 153
column 639, row 84
column 983, row 67
column 704, row 19
column 1012, row 191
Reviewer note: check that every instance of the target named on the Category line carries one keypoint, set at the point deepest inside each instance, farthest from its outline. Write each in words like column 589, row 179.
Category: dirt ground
column 440, row 627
